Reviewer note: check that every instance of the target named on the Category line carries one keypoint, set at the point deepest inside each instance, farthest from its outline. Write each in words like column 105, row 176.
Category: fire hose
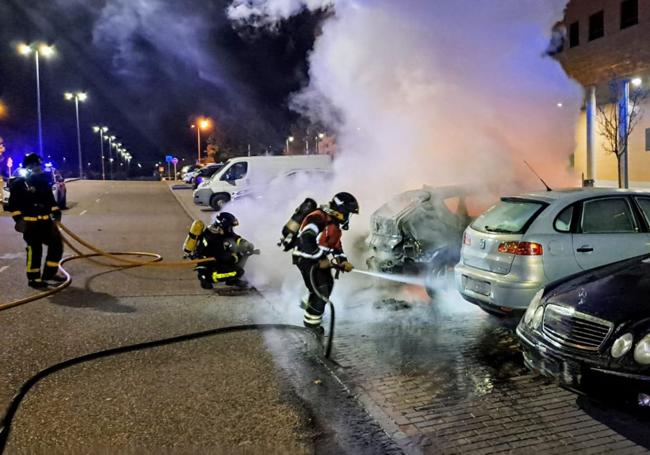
column 122, row 263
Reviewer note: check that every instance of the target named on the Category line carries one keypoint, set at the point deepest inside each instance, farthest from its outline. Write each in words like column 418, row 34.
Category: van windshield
column 235, row 172
column 510, row 216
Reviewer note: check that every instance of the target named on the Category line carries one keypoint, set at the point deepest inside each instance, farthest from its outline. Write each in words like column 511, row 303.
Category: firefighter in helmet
column 229, row 250
column 319, row 238
column 35, row 211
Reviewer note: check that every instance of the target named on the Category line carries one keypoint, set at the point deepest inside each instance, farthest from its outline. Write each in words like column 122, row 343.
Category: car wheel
column 63, row 203
column 438, row 270
column 217, row 201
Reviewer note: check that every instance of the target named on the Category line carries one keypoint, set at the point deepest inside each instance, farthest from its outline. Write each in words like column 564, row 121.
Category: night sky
column 149, row 67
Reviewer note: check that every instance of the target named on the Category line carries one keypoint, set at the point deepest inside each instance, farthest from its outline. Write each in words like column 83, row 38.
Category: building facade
column 597, row 42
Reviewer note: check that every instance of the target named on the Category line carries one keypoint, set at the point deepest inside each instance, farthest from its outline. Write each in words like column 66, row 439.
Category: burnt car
column 420, row 231
column 591, row 332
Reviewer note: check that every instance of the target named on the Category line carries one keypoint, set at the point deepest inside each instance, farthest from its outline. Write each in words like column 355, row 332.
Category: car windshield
column 510, row 216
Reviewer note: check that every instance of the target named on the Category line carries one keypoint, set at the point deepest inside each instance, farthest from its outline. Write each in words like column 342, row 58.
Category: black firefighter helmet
column 225, row 222
column 341, row 207
column 31, row 160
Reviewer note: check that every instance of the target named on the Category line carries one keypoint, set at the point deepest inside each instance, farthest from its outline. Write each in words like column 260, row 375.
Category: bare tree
column 614, row 140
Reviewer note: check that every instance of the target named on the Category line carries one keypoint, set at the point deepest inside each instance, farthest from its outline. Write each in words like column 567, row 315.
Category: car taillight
column 521, row 248
column 467, row 240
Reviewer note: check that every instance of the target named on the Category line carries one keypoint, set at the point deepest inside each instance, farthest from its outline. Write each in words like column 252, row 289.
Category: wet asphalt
column 220, row 393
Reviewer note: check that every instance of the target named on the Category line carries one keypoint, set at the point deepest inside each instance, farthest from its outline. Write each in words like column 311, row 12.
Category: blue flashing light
column 22, row 172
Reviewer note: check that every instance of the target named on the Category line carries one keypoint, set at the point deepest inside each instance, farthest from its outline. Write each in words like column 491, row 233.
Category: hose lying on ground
column 118, row 257
column 5, row 424
column 122, row 263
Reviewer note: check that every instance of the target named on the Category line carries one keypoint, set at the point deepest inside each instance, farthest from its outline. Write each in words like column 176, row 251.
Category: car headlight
column 532, row 306
column 537, row 317
column 642, row 351
column 622, row 345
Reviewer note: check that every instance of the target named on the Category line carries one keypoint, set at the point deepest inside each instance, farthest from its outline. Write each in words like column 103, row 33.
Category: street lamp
column 319, row 138
column 46, row 51
column 201, row 124
column 110, row 140
column 101, row 130
column 289, row 140
column 78, row 96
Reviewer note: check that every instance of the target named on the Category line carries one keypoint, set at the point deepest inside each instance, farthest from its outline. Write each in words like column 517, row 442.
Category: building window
column 596, row 25
column 574, row 34
column 629, row 13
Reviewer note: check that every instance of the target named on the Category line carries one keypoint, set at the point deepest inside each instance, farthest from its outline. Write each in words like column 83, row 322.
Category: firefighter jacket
column 227, row 249
column 319, row 236
column 31, row 199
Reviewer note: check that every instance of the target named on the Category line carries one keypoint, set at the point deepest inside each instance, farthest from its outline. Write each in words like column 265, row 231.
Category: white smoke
column 177, row 33
column 265, row 13
column 435, row 92
column 423, row 92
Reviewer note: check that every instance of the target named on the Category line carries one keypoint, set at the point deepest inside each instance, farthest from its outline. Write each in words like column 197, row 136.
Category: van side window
column 563, row 220
column 611, row 215
column 236, row 172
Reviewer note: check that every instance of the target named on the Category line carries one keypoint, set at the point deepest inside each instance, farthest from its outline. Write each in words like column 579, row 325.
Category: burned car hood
column 617, row 292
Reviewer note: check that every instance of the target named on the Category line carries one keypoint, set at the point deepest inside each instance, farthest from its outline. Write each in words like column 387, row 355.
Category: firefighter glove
column 324, row 264
column 346, row 266
column 20, row 226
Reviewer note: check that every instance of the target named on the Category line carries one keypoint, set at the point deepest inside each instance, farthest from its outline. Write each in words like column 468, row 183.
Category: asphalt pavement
column 409, row 374
column 221, row 393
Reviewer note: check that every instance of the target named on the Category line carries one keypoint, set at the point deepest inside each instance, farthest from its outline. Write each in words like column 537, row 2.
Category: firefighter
column 229, row 250
column 34, row 211
column 319, row 239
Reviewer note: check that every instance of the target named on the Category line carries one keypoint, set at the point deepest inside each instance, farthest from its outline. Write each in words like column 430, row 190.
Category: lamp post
column 201, row 124
column 46, row 51
column 77, row 97
column 110, row 140
column 319, row 138
column 101, row 130
column 289, row 140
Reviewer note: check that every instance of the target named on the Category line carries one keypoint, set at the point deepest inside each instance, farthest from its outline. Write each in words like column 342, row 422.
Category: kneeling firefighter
column 319, row 238
column 219, row 241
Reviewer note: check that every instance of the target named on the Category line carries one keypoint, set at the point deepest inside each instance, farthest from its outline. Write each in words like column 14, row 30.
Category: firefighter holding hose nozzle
column 229, row 250
column 319, row 238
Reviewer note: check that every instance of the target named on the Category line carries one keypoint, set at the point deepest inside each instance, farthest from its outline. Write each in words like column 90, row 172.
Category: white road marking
column 3, row 268
column 83, row 212
column 11, row 256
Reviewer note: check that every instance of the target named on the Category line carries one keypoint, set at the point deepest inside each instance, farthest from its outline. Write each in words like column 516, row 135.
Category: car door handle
column 585, row 249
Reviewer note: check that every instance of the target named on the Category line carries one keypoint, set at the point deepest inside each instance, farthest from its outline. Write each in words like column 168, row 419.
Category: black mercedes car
column 591, row 331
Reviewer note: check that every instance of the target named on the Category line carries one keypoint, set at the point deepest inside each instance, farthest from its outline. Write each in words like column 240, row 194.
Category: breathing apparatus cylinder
column 292, row 227
column 192, row 239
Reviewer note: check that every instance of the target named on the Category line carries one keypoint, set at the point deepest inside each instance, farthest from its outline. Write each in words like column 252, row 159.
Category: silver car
column 522, row 243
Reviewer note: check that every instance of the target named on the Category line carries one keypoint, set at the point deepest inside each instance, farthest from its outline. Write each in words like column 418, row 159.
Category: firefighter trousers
column 37, row 234
column 323, row 282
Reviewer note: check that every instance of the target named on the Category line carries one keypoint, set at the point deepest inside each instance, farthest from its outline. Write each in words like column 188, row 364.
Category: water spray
column 406, row 279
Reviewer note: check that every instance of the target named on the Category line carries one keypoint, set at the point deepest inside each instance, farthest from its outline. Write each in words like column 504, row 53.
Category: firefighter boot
column 37, row 284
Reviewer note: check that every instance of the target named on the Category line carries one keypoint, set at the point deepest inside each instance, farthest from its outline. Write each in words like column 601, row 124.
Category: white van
column 240, row 175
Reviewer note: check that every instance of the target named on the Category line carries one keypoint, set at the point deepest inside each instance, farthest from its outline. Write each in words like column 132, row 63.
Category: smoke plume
column 445, row 92
column 435, row 92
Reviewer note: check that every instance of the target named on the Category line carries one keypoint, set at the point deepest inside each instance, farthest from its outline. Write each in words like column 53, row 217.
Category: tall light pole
column 319, row 138
column 110, row 140
column 77, row 97
column 46, row 51
column 289, row 140
column 101, row 130
column 201, row 124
